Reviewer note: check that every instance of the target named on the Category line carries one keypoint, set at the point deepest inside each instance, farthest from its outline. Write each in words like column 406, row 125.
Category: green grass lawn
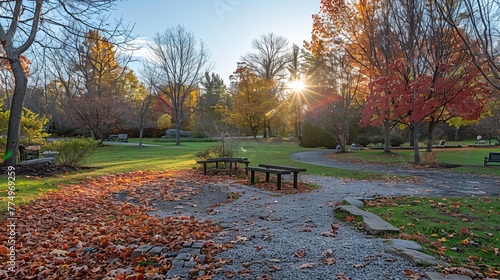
column 111, row 159
column 463, row 231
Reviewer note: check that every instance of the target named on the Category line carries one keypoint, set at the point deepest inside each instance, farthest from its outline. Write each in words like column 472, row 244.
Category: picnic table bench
column 123, row 137
column 28, row 152
column 231, row 161
column 492, row 157
column 278, row 173
column 294, row 170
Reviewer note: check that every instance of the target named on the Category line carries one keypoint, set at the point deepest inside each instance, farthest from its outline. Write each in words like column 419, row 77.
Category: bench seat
column 268, row 171
column 231, row 161
column 294, row 170
column 492, row 157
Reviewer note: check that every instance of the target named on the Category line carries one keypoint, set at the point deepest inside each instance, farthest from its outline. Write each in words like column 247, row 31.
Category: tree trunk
column 387, row 136
column 430, row 130
column 177, row 133
column 16, row 112
column 269, row 129
column 415, row 145
column 141, row 131
column 265, row 128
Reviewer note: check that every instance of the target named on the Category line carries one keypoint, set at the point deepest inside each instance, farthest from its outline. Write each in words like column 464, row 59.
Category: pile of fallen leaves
column 81, row 232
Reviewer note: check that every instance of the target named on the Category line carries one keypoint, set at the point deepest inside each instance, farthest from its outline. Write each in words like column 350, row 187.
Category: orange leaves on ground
column 64, row 232
column 350, row 219
column 286, row 187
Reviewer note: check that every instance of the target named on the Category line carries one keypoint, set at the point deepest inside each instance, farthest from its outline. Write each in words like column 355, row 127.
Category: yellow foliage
column 164, row 121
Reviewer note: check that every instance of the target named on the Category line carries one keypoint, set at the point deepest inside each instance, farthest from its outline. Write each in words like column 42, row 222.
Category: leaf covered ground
column 81, row 232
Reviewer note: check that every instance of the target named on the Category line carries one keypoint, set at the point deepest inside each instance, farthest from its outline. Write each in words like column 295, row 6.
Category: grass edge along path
column 463, row 231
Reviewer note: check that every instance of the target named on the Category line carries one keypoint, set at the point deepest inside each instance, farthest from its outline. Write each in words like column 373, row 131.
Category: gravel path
column 272, row 231
column 443, row 183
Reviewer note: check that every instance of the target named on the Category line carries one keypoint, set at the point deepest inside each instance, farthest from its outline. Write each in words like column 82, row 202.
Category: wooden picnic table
column 230, row 160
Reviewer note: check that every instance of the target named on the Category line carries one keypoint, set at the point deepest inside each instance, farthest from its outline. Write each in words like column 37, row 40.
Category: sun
column 297, row 85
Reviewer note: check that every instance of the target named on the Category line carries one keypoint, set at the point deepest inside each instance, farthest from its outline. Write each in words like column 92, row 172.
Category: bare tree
column 476, row 22
column 23, row 22
column 269, row 61
column 177, row 67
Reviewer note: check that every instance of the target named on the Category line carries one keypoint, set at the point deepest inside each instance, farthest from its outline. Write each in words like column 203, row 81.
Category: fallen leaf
column 274, row 260
column 300, row 253
column 307, row 265
column 328, row 261
column 59, row 253
column 245, row 272
column 275, row 267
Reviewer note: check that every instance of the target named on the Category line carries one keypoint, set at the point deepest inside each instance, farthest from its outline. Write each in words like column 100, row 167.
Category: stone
column 191, row 251
column 198, row 245
column 187, row 244
column 371, row 222
column 416, row 257
column 49, row 160
column 201, row 259
column 355, row 201
column 183, row 256
column 438, row 276
column 404, row 244
column 142, row 250
column 190, row 264
column 155, row 251
column 170, row 254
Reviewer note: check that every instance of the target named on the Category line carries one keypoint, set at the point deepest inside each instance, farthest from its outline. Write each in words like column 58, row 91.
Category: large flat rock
column 438, row 276
column 371, row 222
column 416, row 257
column 47, row 160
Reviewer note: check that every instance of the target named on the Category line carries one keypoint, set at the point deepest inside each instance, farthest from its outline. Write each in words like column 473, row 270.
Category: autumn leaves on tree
column 413, row 67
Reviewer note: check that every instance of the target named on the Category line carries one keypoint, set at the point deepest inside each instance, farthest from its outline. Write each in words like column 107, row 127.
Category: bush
column 376, row 140
column 362, row 140
column 315, row 137
column 71, row 152
column 213, row 152
column 396, row 140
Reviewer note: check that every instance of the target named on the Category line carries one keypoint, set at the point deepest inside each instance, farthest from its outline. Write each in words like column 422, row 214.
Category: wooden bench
column 278, row 173
column 28, row 152
column 492, row 157
column 231, row 161
column 122, row 137
column 294, row 170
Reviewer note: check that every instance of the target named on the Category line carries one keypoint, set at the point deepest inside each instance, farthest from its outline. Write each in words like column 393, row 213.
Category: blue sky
column 227, row 27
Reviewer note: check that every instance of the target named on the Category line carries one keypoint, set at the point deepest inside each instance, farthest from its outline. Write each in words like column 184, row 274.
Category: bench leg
column 252, row 176
column 231, row 168
column 295, row 175
column 204, row 168
column 246, row 171
column 267, row 176
column 278, row 181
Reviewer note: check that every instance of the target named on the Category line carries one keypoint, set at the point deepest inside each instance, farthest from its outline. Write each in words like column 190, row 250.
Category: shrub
column 397, row 140
column 315, row 137
column 376, row 139
column 71, row 152
column 213, row 152
column 362, row 140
